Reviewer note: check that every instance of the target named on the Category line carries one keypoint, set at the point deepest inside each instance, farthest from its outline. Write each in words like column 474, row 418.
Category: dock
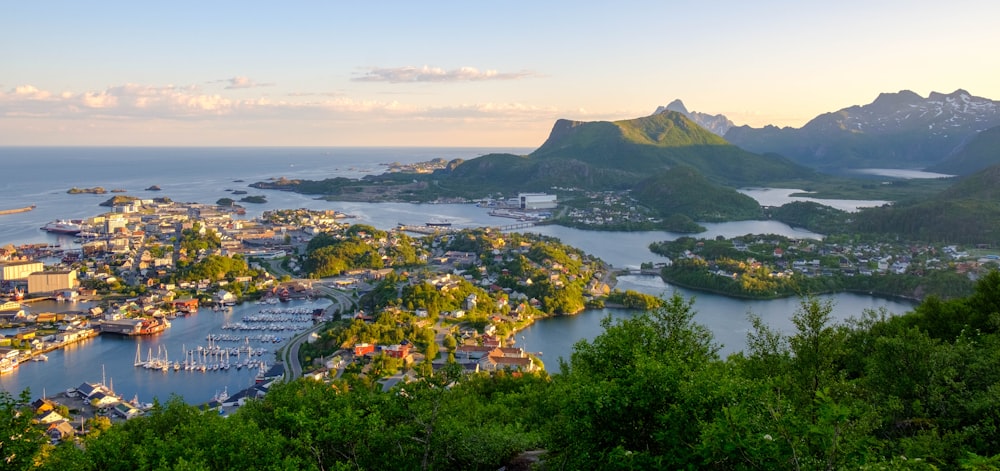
column 16, row 210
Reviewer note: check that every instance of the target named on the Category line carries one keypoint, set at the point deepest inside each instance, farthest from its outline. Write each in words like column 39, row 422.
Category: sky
column 461, row 73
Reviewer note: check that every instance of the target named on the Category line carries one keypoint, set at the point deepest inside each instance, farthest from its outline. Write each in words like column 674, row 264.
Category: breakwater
column 16, row 210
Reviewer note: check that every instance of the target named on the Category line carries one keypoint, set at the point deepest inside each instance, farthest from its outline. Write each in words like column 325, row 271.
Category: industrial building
column 536, row 201
column 51, row 281
column 19, row 270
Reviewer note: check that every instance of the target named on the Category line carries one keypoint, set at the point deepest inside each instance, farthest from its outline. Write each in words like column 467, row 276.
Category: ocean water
column 41, row 176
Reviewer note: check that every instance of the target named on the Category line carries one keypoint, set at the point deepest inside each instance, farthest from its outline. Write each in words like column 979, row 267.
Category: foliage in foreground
column 918, row 391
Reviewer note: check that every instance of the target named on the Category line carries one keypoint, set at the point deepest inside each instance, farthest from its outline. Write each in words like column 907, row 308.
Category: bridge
column 514, row 227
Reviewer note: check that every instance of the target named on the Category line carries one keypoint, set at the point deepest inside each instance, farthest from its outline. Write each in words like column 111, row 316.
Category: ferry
column 438, row 223
column 63, row 227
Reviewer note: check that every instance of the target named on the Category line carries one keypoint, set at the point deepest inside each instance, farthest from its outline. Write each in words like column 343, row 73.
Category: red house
column 397, row 351
column 361, row 349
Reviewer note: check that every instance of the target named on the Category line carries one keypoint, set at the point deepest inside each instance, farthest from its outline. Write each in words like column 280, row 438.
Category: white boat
column 40, row 357
column 63, row 227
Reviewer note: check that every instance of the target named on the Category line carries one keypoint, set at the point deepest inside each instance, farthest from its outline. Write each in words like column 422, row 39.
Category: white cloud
column 409, row 74
column 148, row 103
column 240, row 82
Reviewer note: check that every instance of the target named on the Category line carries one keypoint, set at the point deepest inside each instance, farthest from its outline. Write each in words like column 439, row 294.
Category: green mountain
column 979, row 153
column 966, row 212
column 677, row 168
column 651, row 144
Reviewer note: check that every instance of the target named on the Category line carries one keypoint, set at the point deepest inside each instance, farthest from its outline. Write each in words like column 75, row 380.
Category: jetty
column 16, row 210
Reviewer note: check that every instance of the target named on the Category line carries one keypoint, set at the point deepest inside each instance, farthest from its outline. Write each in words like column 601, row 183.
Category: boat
column 438, row 223
column 63, row 227
column 8, row 365
column 40, row 357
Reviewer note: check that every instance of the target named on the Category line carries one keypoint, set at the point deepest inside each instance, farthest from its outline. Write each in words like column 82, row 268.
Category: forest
column 915, row 391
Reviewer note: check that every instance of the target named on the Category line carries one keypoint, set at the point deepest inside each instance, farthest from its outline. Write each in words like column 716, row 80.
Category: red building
column 397, row 351
column 361, row 349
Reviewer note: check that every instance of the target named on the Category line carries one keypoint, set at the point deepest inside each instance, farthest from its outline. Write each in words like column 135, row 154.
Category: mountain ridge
column 896, row 130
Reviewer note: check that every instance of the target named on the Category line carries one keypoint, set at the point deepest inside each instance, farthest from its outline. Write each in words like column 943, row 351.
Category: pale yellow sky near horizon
column 404, row 74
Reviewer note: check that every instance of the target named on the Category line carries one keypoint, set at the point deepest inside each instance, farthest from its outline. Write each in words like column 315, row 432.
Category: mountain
column 671, row 164
column 982, row 151
column 648, row 145
column 718, row 124
column 897, row 130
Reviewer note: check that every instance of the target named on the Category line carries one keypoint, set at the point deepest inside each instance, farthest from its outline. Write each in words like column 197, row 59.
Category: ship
column 63, row 227
column 438, row 223
column 8, row 365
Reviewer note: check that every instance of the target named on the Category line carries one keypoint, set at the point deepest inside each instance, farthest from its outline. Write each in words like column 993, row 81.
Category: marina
column 190, row 359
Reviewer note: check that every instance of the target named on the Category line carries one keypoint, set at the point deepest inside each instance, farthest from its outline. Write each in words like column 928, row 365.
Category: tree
column 20, row 441
column 629, row 393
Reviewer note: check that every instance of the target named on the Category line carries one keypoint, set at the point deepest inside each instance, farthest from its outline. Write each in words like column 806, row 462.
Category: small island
column 256, row 199
column 97, row 190
column 154, row 188
column 227, row 202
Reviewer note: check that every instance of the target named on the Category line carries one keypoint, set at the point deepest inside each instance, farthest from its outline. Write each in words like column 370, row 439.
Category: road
column 341, row 302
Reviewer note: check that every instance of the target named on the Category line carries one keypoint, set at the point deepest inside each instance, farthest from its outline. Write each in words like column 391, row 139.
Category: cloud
column 240, row 82
column 136, row 102
column 410, row 74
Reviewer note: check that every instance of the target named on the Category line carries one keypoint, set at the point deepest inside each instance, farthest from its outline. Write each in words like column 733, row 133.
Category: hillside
column 982, row 151
column 648, row 145
column 683, row 191
column 966, row 212
column 897, row 130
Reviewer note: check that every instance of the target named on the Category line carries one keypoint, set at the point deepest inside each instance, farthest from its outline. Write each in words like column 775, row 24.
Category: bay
column 41, row 176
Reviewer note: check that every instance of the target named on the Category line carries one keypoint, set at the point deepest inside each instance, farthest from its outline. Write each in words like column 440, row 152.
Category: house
column 472, row 352
column 61, row 430
column 362, row 349
column 49, row 417
column 102, row 400
column 397, row 351
column 42, row 405
column 497, row 363
column 126, row 410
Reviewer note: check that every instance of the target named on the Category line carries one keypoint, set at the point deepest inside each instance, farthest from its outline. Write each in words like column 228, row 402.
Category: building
column 19, row 270
column 51, row 281
column 397, row 351
column 362, row 349
column 536, row 201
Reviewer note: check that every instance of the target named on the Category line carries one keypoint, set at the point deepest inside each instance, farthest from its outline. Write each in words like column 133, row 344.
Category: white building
column 536, row 201
column 19, row 270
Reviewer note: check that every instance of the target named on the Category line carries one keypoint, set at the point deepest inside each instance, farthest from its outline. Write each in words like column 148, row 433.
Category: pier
column 16, row 210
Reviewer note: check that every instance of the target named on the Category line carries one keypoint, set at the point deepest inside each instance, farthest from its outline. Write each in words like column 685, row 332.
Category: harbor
column 135, row 364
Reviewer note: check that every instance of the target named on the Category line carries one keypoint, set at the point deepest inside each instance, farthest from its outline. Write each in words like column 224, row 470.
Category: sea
column 41, row 176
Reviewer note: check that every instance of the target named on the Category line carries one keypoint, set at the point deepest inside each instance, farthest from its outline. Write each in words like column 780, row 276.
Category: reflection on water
column 900, row 173
column 725, row 317
column 780, row 196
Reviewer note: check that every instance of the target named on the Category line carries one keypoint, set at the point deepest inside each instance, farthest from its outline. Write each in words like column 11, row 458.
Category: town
column 403, row 307
column 764, row 266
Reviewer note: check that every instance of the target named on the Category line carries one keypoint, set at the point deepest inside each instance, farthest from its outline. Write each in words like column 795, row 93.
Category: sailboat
column 138, row 357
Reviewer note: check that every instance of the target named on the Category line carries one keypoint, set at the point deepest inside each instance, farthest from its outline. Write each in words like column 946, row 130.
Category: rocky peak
column 717, row 124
